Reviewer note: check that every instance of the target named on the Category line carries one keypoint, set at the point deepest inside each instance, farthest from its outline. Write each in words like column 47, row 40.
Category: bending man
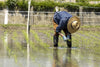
column 62, row 20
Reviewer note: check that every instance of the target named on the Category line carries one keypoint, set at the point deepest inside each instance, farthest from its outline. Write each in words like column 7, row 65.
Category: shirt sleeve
column 60, row 26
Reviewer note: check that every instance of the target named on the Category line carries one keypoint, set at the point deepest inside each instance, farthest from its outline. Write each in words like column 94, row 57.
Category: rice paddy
column 14, row 45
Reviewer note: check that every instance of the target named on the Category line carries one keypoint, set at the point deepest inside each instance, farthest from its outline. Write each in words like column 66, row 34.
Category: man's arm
column 61, row 34
column 64, row 37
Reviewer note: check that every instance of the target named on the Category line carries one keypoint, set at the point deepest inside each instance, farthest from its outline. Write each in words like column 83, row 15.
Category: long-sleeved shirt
column 61, row 18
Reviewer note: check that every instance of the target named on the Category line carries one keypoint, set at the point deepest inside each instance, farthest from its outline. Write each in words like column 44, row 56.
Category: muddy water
column 12, row 55
column 53, row 57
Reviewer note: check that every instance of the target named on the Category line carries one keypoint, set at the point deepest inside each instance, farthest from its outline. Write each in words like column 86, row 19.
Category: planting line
column 10, row 52
column 39, row 40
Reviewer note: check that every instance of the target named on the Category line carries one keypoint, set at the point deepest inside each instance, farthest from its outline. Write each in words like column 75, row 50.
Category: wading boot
column 55, row 41
column 69, row 42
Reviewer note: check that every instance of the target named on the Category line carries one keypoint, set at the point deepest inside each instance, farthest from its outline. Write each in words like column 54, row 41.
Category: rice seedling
column 77, row 40
column 89, row 40
column 40, row 42
column 47, row 33
column 34, row 44
column 9, row 51
column 92, row 39
column 17, row 43
column 48, row 36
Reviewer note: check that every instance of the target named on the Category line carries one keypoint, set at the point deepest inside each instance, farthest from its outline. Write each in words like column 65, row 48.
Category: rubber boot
column 55, row 41
column 69, row 42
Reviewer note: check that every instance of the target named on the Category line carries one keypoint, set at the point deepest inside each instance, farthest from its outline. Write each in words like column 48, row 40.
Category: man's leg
column 69, row 42
column 56, row 35
column 55, row 40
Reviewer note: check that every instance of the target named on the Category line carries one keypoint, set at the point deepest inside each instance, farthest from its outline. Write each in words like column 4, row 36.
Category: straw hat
column 73, row 24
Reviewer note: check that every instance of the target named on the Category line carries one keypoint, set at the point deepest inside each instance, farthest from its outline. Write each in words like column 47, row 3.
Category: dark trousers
column 56, row 37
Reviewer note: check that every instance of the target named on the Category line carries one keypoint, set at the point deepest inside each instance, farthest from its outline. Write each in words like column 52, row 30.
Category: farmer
column 62, row 20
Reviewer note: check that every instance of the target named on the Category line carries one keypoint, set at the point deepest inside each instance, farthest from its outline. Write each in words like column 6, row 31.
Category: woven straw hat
column 73, row 24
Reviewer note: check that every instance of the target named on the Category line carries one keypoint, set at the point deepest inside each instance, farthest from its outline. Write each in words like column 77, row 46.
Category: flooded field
column 13, row 49
column 52, row 57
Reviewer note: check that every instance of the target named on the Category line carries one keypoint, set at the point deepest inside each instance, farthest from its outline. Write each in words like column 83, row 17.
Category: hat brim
column 69, row 25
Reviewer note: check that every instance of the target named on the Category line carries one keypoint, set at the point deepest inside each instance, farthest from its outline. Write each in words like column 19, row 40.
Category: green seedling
column 40, row 42
column 10, row 52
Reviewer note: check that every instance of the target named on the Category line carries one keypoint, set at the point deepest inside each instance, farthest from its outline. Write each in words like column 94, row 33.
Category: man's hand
column 64, row 38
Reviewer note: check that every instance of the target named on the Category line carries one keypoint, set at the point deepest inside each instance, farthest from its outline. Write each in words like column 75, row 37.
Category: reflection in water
column 5, row 47
column 13, row 53
column 66, row 61
column 56, row 59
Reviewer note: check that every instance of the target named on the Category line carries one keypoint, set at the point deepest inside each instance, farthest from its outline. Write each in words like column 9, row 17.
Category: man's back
column 61, row 15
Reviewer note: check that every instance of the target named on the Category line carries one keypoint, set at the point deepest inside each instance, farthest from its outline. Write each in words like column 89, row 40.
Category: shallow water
column 13, row 53
column 52, row 57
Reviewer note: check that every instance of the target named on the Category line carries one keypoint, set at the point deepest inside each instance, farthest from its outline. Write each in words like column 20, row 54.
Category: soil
column 43, row 28
column 90, row 29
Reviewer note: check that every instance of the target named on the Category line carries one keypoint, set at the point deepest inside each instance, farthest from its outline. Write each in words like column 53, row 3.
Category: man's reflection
column 67, row 59
column 56, row 62
column 64, row 61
